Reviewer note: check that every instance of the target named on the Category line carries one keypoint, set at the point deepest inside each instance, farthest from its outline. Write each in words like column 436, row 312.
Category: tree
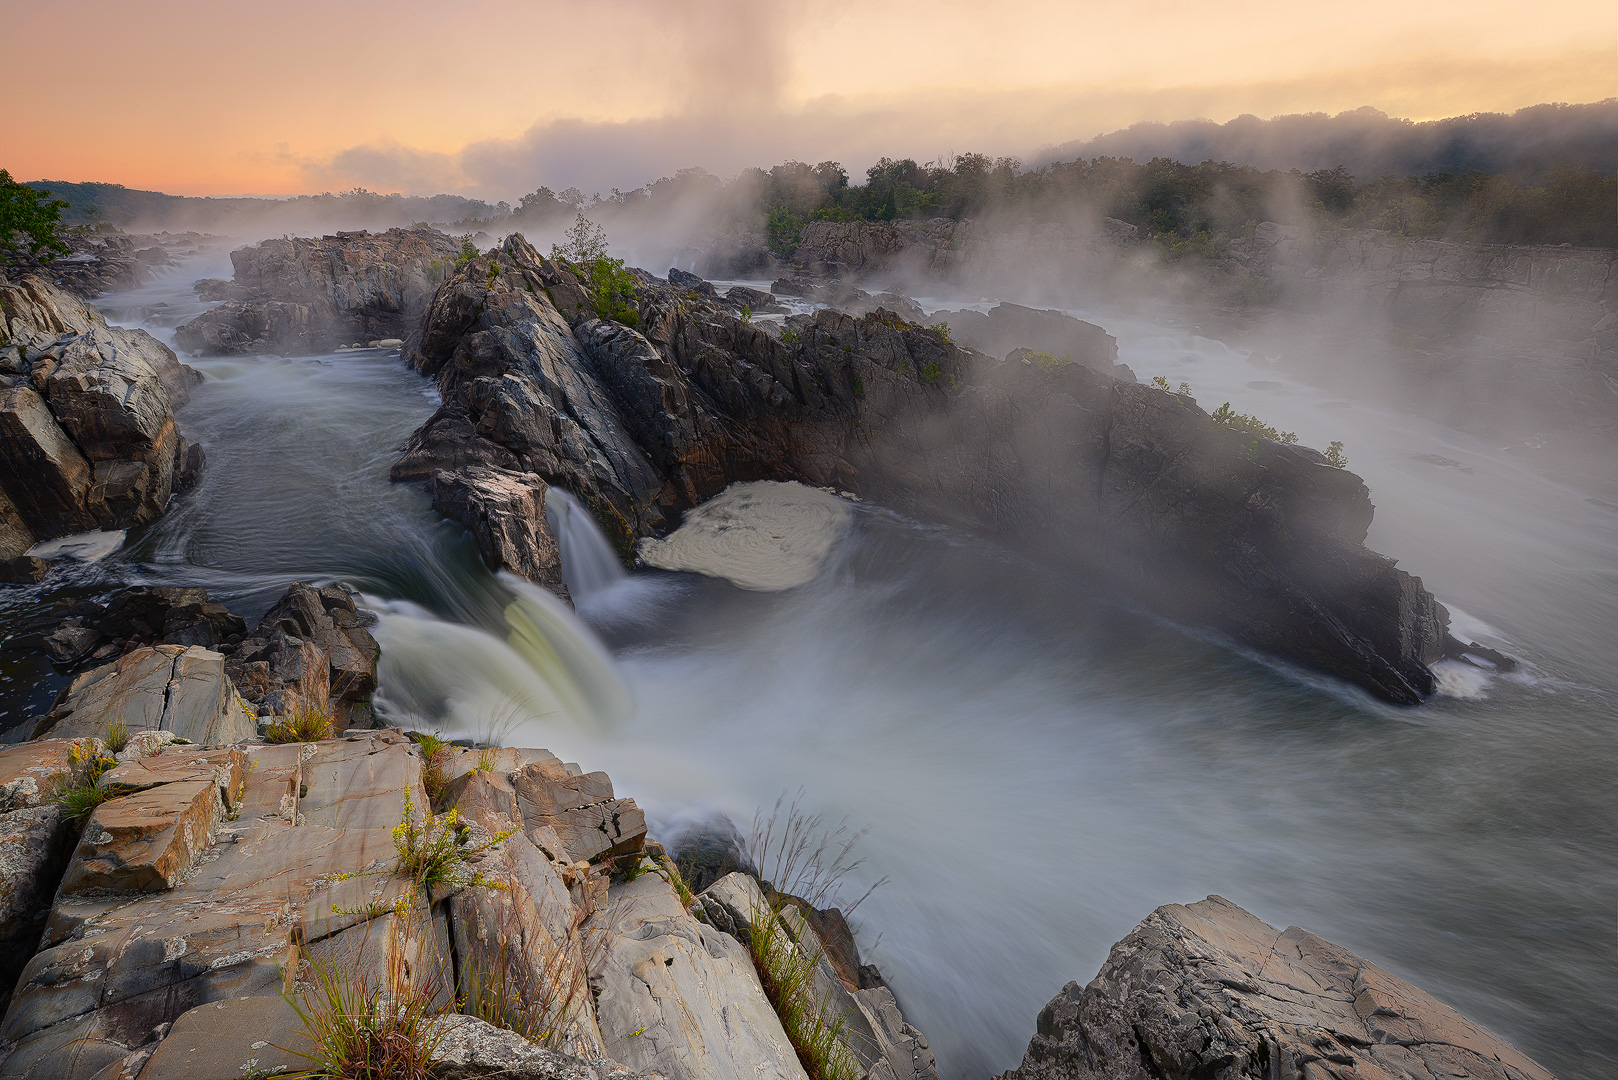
column 28, row 220
column 585, row 243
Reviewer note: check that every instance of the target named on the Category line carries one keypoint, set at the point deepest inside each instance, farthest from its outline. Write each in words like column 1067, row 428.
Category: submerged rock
column 1210, row 992
column 642, row 422
column 298, row 296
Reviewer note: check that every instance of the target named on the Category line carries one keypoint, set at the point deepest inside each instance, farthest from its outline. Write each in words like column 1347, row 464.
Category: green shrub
column 28, row 220
column 79, row 798
column 437, row 850
column 304, row 722
column 1251, row 424
column 117, row 739
column 1335, row 456
column 469, row 251
column 612, row 290
column 941, row 331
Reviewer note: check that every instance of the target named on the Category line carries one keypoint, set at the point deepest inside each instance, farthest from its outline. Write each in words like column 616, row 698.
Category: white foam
column 1458, row 679
column 1469, row 628
column 85, row 547
column 763, row 535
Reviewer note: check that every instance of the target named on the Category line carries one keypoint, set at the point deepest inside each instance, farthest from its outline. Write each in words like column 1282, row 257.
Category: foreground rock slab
column 175, row 688
column 1208, row 991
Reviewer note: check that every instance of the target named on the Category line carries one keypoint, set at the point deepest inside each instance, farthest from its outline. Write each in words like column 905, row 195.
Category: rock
column 30, row 772
column 33, row 851
column 312, row 645
column 754, row 300
column 469, row 1048
column 581, row 810
column 706, row 852
column 1012, row 326
column 680, row 279
column 298, row 296
column 505, row 512
column 68, row 643
column 1262, row 541
column 146, row 841
column 167, row 687
column 682, row 998
column 1210, row 991
column 873, row 1029
column 89, row 441
column 23, row 570
column 918, row 248
column 229, row 1038
column 114, row 972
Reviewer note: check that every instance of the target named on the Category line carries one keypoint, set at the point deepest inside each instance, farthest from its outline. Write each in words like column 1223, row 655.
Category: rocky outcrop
column 312, row 647
column 173, row 688
column 87, row 433
column 1210, row 992
column 1261, row 540
column 298, row 296
column 921, row 248
column 505, row 512
column 1057, row 335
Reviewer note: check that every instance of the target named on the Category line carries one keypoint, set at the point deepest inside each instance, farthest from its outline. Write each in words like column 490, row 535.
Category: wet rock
column 301, row 295
column 505, row 512
column 313, row 644
column 1210, row 991
column 754, row 300
column 68, row 643
column 682, row 998
column 167, row 687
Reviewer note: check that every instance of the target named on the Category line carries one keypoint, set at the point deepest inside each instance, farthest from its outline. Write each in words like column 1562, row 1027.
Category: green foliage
column 304, row 721
column 789, row 335
column 117, row 739
column 1251, row 424
column 364, row 1025
column 941, row 332
column 1045, row 361
column 931, row 372
column 1335, row 456
column 612, row 290
column 79, row 797
column 782, row 229
column 1161, row 383
column 435, row 754
column 812, row 1022
column 469, row 251
column 437, row 850
column 28, row 220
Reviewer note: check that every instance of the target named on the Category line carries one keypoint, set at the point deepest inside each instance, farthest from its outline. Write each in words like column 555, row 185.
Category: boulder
column 681, row 998
column 312, row 645
column 163, row 688
column 756, row 301
column 505, row 512
column 1210, row 991
column 301, row 295
column 681, row 279
column 1051, row 333
column 89, row 440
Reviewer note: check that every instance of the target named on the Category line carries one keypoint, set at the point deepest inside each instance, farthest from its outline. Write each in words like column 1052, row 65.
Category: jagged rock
column 864, row 247
column 682, row 998
column 311, row 645
column 590, row 821
column 707, row 852
column 505, row 512
column 680, row 279
column 298, row 296
column 167, row 687
column 1210, row 992
column 89, row 441
column 754, row 300
column 469, row 1048
column 1260, row 540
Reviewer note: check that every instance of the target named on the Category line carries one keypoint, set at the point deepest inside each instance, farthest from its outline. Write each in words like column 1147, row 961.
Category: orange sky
column 494, row 97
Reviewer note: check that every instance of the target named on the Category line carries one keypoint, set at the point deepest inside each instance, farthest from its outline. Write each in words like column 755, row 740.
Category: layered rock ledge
column 1261, row 540
column 299, row 296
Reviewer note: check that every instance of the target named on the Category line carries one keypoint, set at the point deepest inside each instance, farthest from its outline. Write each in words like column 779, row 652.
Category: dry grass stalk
column 799, row 855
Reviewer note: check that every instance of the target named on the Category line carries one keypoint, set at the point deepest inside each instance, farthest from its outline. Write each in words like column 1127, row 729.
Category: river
column 1039, row 764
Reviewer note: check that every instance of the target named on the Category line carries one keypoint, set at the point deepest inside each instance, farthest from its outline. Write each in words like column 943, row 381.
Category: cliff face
column 87, row 433
column 1259, row 539
column 297, row 296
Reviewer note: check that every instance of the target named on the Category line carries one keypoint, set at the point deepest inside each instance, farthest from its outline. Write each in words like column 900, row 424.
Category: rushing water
column 1040, row 765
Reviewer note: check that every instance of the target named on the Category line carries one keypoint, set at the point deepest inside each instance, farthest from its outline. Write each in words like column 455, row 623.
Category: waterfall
column 590, row 566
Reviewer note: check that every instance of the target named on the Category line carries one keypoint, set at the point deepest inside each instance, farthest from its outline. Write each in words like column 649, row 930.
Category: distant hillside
column 115, row 204
column 1526, row 145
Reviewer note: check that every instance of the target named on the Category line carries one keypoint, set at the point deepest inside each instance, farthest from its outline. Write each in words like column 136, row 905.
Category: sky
column 493, row 98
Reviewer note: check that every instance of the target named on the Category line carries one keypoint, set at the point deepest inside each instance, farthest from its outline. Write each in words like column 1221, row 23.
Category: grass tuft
column 532, row 983
column 117, row 736
column 79, row 788
column 437, row 850
column 306, row 720
column 435, row 754
column 811, row 1021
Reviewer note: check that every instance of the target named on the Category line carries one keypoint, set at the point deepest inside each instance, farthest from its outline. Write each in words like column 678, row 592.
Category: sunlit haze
column 495, row 97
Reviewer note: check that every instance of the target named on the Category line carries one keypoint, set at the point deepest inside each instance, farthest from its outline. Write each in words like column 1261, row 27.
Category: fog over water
column 1040, row 763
